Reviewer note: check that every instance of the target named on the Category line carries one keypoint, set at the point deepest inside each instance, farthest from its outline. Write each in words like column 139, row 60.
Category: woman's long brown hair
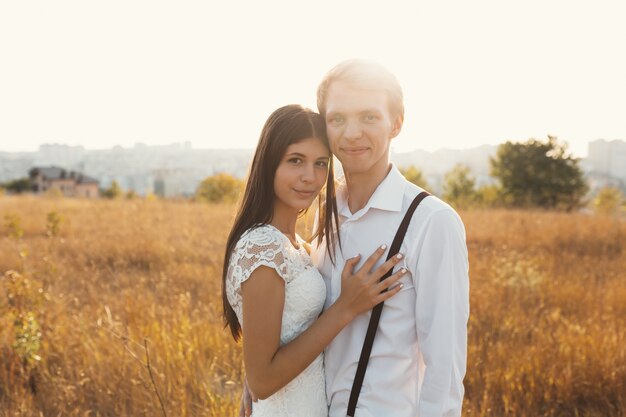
column 285, row 126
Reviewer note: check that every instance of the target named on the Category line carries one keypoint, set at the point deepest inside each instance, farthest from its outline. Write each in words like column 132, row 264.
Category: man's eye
column 336, row 119
column 370, row 117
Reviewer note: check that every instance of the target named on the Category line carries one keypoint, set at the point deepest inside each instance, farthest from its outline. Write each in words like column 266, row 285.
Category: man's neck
column 361, row 186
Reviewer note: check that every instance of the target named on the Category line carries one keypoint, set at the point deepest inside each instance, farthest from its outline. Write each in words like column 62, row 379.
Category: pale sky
column 107, row 73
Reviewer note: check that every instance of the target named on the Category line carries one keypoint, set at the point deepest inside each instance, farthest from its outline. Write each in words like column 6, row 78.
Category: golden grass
column 547, row 334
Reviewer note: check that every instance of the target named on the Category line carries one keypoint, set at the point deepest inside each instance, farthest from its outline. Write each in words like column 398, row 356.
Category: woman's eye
column 370, row 118
column 322, row 164
column 295, row 160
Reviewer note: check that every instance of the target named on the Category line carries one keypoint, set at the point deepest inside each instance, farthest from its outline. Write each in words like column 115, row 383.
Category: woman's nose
column 308, row 173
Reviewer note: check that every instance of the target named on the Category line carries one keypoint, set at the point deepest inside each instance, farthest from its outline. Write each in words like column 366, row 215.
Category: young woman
column 272, row 294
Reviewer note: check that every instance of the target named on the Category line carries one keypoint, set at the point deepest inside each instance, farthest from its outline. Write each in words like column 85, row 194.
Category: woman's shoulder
column 261, row 245
column 263, row 235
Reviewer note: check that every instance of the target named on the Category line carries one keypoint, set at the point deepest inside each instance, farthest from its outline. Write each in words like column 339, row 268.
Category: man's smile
column 355, row 150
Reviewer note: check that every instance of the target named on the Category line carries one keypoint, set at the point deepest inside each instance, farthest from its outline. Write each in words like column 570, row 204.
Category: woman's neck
column 285, row 220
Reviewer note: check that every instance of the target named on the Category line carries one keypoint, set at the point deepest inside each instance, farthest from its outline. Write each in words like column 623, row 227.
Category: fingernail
column 401, row 286
column 358, row 255
column 399, row 256
column 383, row 247
column 402, row 271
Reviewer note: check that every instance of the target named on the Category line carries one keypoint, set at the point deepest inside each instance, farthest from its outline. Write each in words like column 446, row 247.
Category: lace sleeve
column 262, row 246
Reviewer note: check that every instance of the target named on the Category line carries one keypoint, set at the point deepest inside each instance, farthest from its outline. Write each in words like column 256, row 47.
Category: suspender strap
column 376, row 312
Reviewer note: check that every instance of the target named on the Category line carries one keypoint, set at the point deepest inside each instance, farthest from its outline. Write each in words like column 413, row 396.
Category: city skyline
column 191, row 145
column 177, row 169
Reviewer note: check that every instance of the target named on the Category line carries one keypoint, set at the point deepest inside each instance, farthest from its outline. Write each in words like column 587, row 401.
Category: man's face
column 360, row 128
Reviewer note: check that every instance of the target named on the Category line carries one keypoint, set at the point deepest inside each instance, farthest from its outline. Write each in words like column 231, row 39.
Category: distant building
column 606, row 164
column 608, row 157
column 175, row 182
column 69, row 183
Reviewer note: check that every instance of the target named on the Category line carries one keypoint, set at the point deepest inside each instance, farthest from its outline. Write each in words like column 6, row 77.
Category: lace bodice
column 305, row 293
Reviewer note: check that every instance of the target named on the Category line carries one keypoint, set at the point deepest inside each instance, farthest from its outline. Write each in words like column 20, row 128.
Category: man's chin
column 353, row 168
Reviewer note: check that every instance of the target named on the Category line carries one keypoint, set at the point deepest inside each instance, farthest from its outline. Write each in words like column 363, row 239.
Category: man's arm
column 441, row 313
column 247, row 398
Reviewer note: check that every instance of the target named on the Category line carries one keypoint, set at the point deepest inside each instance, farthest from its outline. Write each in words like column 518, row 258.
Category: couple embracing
column 371, row 321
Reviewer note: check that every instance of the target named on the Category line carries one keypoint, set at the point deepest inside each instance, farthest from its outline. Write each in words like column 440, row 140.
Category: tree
column 414, row 175
column 539, row 174
column 219, row 188
column 608, row 200
column 17, row 186
column 114, row 191
column 489, row 196
column 459, row 188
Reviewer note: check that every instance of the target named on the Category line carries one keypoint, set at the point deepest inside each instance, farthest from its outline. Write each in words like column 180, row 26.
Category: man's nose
column 353, row 130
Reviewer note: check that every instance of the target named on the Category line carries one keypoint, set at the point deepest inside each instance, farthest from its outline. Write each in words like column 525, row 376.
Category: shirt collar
column 389, row 194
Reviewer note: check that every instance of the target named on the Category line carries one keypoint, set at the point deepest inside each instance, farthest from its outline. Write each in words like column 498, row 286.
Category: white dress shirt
column 418, row 359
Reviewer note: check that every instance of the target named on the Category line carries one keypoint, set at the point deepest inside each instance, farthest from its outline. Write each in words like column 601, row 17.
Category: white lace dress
column 305, row 292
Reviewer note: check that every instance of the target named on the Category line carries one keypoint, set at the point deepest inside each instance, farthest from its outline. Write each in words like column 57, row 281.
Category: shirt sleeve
column 441, row 313
column 259, row 247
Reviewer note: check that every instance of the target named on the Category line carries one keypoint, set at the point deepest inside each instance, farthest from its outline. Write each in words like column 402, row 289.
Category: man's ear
column 397, row 126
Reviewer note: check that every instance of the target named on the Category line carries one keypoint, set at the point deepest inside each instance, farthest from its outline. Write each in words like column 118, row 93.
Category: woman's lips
column 305, row 193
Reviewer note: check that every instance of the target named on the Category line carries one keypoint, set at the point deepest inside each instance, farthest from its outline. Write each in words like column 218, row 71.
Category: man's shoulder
column 429, row 205
column 431, row 212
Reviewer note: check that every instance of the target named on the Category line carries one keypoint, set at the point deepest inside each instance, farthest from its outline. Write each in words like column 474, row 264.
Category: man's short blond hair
column 367, row 75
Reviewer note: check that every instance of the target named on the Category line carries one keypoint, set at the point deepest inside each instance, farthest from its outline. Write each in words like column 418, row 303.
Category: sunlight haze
column 100, row 74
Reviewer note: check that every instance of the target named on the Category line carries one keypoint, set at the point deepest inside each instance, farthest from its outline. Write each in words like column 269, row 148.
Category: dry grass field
column 112, row 308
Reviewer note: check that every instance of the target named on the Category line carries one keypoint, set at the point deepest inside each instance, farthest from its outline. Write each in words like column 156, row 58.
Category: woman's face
column 301, row 174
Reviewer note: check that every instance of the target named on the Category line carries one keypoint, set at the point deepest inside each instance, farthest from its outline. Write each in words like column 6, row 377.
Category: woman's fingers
column 362, row 290
column 387, row 266
column 371, row 261
column 384, row 296
column 388, row 284
column 367, row 272
column 350, row 264
column 363, row 287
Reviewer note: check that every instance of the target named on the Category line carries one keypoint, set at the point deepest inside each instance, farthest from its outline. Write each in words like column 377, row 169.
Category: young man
column 418, row 359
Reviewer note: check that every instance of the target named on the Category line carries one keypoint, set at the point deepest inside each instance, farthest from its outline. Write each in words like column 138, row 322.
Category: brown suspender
column 375, row 318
